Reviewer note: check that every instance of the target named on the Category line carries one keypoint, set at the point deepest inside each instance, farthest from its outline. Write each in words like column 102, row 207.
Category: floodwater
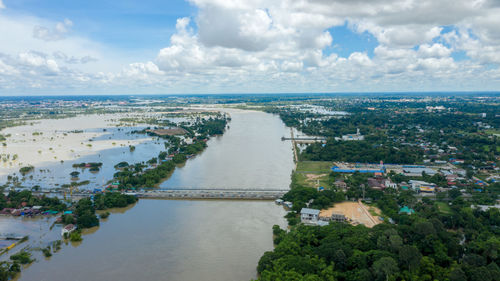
column 45, row 143
column 38, row 229
column 191, row 240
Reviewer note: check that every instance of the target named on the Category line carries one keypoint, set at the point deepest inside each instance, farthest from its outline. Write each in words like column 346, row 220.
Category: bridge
column 304, row 139
column 213, row 193
column 189, row 193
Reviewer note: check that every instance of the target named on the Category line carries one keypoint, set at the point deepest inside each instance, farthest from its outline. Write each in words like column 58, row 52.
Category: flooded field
column 52, row 146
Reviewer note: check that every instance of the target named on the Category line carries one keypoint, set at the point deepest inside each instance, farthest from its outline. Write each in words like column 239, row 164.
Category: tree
column 410, row 257
column 454, row 193
column 457, row 274
column 385, row 267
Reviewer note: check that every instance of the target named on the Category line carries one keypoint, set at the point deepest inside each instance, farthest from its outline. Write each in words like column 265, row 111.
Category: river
column 191, row 240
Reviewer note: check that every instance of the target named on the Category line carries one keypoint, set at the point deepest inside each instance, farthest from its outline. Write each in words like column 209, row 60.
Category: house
column 68, row 229
column 338, row 217
column 404, row 185
column 388, row 183
column 376, row 183
column 278, row 201
column 309, row 215
column 288, row 204
column 340, row 184
column 406, row 210
column 422, row 186
column 456, row 161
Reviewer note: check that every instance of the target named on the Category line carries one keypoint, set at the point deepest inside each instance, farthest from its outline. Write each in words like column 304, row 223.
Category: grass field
column 319, row 167
column 443, row 207
column 311, row 180
column 309, row 172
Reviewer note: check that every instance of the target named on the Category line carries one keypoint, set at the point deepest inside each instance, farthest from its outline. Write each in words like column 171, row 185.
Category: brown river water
column 190, row 239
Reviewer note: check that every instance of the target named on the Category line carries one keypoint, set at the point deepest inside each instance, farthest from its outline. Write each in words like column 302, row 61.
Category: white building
column 417, row 171
column 389, row 183
column 68, row 229
column 309, row 215
column 353, row 137
column 422, row 186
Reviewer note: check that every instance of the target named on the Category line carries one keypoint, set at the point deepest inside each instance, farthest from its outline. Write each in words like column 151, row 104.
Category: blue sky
column 144, row 25
column 252, row 46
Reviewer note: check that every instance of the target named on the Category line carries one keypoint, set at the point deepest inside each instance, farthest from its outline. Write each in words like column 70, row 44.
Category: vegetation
column 361, row 151
column 75, row 236
column 22, row 257
column 113, row 200
column 85, row 213
column 16, row 199
column 87, row 165
column 25, row 170
column 431, row 245
column 46, row 252
column 104, row 215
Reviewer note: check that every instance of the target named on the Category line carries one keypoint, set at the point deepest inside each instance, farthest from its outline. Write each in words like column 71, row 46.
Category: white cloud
column 2, row 6
column 273, row 46
column 57, row 33
column 39, row 61
column 433, row 51
column 360, row 59
column 7, row 69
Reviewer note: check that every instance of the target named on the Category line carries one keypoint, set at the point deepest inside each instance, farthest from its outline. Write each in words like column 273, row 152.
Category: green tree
column 385, row 267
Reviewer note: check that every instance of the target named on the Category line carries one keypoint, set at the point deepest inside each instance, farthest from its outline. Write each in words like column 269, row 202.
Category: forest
column 429, row 245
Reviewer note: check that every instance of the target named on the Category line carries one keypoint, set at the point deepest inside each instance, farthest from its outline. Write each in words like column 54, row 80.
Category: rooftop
column 309, row 211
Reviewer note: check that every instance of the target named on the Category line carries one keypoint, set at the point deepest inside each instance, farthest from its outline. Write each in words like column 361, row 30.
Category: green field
column 443, row 207
column 304, row 181
column 309, row 172
column 319, row 167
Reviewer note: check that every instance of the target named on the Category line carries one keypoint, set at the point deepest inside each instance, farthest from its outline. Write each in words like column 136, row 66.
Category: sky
column 61, row 47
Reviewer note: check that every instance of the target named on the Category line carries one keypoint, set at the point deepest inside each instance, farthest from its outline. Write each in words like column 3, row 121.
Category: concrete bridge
column 304, row 138
column 190, row 193
column 214, row 193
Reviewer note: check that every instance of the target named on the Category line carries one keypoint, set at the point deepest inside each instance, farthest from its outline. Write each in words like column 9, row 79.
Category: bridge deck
column 247, row 194
column 197, row 193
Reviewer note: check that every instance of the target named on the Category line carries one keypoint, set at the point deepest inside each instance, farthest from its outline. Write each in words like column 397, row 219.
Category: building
column 376, row 183
column 422, row 186
column 338, row 217
column 309, row 215
column 389, row 184
column 485, row 208
column 376, row 169
column 353, row 137
column 68, row 229
column 416, row 171
column 406, row 210
column 340, row 184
